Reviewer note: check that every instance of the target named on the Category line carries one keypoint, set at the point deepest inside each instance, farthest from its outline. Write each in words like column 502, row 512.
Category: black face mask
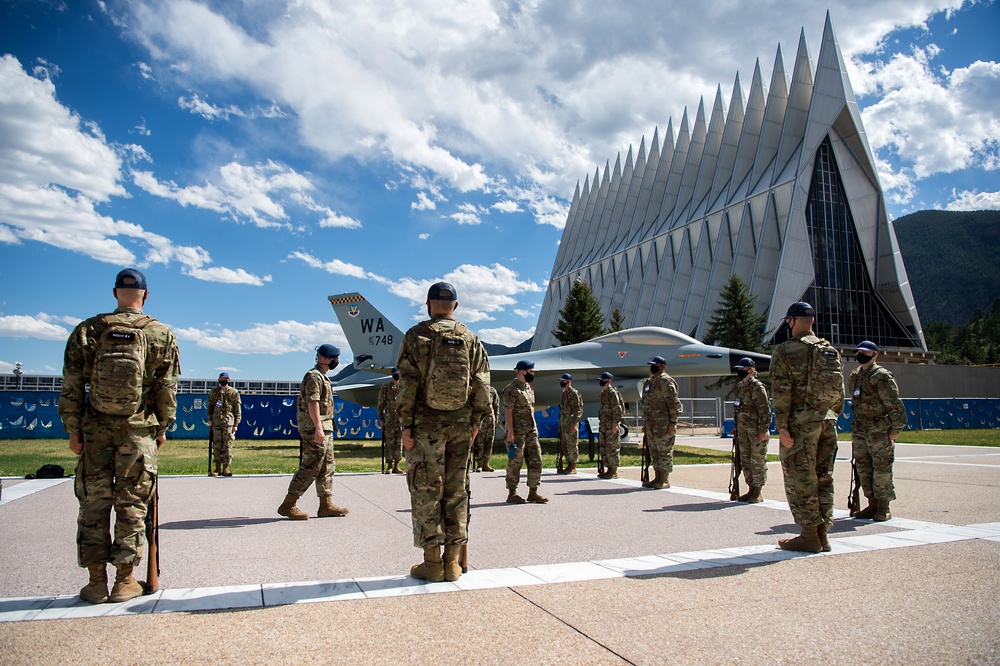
column 529, row 377
column 605, row 382
column 742, row 374
column 333, row 364
column 225, row 383
column 395, row 376
column 655, row 369
column 563, row 384
column 863, row 358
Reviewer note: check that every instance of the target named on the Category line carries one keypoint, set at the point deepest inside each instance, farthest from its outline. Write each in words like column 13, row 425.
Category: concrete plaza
column 607, row 572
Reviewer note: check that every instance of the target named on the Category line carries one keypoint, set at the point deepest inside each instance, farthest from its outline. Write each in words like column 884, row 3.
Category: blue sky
column 254, row 157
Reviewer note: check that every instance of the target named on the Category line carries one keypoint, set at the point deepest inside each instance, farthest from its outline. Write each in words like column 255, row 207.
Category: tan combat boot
column 868, row 511
column 395, row 468
column 387, row 470
column 807, row 542
column 513, row 497
column 225, row 471
column 612, row 473
column 571, row 469
column 96, row 591
column 289, row 510
column 218, row 468
column 452, row 568
column 650, row 482
column 535, row 498
column 882, row 512
column 126, row 587
column 752, row 496
column 431, row 569
column 659, row 480
column 486, row 465
column 824, row 542
column 327, row 509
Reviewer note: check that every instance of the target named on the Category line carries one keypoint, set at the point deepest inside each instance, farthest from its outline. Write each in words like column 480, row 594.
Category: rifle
column 152, row 582
column 211, row 440
column 735, row 469
column 600, row 457
column 383, row 446
column 559, row 453
column 644, row 475
column 463, row 552
column 854, row 500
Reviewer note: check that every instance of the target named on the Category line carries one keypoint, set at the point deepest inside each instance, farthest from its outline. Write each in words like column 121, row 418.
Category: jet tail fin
column 374, row 340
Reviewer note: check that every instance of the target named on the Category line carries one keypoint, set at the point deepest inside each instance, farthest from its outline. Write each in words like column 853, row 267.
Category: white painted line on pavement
column 271, row 594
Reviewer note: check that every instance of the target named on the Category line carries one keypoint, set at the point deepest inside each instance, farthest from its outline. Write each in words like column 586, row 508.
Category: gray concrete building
column 779, row 188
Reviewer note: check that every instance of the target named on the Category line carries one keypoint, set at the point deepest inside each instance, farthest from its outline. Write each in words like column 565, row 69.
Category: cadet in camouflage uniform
column 441, row 363
column 879, row 416
column 570, row 413
column 660, row 410
column 487, row 431
column 608, row 433
column 388, row 421
column 808, row 437
column 223, row 418
column 118, row 451
column 314, row 413
column 518, row 400
column 753, row 420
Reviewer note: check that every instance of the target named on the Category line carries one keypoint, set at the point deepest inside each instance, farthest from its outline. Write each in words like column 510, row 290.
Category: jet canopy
column 647, row 335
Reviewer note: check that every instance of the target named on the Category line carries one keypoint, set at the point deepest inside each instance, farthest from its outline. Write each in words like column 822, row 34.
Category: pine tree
column 580, row 318
column 617, row 321
column 736, row 323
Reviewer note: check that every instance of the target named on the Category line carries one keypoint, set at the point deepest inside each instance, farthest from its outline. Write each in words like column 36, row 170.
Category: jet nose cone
column 763, row 361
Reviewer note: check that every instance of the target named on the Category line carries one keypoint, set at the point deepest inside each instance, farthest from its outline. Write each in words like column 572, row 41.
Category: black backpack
column 48, row 472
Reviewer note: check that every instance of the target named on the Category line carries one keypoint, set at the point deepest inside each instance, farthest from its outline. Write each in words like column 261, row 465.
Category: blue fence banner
column 34, row 415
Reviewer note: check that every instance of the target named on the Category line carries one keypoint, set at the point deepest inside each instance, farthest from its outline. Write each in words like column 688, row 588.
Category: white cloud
column 257, row 193
column 145, row 71
column 423, row 202
column 973, row 200
column 424, row 236
column 39, row 327
column 278, row 338
column 506, row 206
column 466, row 218
column 205, row 109
column 482, row 290
column 55, row 169
column 504, row 335
column 935, row 121
column 334, row 266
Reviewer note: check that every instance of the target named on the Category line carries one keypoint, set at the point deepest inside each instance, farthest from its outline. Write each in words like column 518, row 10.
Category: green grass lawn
column 281, row 456
column 19, row 457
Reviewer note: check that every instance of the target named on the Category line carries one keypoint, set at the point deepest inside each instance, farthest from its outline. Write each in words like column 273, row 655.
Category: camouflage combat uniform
column 223, row 415
column 570, row 413
column 519, row 397
column 807, row 467
column 316, row 461
column 392, row 434
column 487, row 429
column 878, row 413
column 437, row 465
column 117, row 468
column 609, row 437
column 660, row 408
column 753, row 416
